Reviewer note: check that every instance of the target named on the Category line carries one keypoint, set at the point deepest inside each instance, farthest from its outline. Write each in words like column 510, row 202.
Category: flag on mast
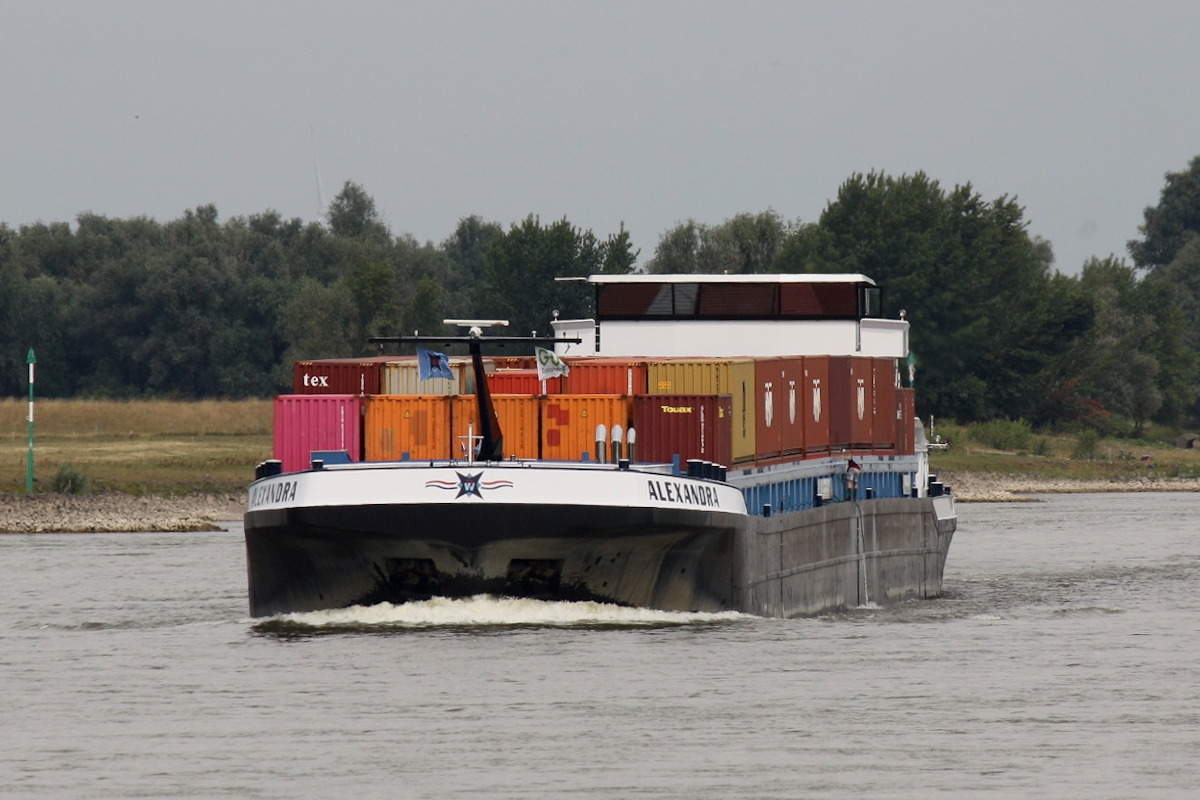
column 549, row 364
column 432, row 364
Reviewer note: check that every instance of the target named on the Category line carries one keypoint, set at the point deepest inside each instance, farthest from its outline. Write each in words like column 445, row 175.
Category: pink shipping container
column 687, row 425
column 906, row 414
column 304, row 423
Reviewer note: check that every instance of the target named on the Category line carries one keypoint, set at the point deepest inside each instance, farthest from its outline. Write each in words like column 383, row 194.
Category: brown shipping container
column 304, row 423
column 519, row 416
column 851, row 382
column 686, row 425
column 792, row 404
column 734, row 377
column 569, row 423
column 522, row 381
column 768, row 388
column 906, row 413
column 883, row 425
column 396, row 424
column 605, row 376
column 817, row 402
column 339, row 375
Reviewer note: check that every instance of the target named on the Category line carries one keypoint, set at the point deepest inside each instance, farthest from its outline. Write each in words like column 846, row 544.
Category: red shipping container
column 304, row 423
column 522, row 381
column 605, row 376
column 816, row 405
column 769, row 394
column 687, row 425
column 883, row 424
column 340, row 375
column 851, row 382
column 906, row 414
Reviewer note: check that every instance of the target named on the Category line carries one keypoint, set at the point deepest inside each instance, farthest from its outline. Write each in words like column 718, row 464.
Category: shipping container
column 404, row 377
column 851, row 382
column 816, row 401
column 883, row 425
column 522, row 381
column 734, row 377
column 339, row 375
column 519, row 417
column 605, row 376
column 569, row 423
column 906, row 414
column 397, row 425
column 689, row 426
column 768, row 435
column 305, row 422
column 792, row 406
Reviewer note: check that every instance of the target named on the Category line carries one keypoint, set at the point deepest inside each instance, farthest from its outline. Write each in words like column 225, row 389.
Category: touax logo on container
column 677, row 409
column 316, row 380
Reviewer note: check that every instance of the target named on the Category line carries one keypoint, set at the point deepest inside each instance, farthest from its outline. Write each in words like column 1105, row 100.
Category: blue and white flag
column 549, row 364
column 433, row 364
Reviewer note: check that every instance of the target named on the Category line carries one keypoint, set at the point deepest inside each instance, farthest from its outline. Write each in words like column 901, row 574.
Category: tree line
column 199, row 308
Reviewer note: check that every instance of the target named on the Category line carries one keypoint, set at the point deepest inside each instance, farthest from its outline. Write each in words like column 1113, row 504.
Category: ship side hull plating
column 305, row 557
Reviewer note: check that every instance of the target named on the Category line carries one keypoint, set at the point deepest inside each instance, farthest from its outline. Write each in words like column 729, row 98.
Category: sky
column 641, row 113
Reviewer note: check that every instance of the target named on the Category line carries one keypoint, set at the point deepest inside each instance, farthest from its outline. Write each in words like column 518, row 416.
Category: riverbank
column 984, row 487
column 115, row 511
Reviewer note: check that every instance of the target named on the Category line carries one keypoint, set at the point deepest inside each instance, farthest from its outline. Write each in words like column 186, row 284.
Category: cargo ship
column 717, row 442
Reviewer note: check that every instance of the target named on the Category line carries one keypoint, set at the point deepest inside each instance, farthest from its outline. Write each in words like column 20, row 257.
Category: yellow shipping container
column 520, row 423
column 569, row 423
column 418, row 425
column 734, row 377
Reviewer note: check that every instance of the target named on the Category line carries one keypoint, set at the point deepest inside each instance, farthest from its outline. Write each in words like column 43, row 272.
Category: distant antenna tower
column 317, row 169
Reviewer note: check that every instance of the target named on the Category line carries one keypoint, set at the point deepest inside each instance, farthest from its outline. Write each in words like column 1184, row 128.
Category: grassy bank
column 1012, row 449
column 164, row 448
column 143, row 447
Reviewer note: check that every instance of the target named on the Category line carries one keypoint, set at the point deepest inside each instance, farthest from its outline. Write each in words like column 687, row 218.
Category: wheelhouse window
column 737, row 300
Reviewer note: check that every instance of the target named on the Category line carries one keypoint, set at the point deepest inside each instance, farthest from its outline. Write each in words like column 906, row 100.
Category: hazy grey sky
column 648, row 113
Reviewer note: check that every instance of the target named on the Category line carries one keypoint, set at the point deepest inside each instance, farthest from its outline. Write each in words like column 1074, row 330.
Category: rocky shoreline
column 982, row 487
column 113, row 511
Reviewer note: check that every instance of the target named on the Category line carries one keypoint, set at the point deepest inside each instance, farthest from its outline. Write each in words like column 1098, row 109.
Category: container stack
column 738, row 412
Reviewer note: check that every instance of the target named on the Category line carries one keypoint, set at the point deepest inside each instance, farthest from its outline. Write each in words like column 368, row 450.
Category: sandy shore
column 45, row 513
column 112, row 511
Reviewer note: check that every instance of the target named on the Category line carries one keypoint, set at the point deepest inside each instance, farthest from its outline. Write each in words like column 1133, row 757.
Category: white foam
column 489, row 610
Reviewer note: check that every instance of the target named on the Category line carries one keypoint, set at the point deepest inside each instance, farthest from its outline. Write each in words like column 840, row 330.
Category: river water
column 1062, row 662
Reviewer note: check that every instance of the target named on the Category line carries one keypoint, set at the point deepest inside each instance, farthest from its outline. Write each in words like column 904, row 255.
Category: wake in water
column 486, row 611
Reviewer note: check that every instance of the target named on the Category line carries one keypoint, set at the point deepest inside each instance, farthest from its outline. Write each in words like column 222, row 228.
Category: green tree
column 991, row 324
column 1168, row 226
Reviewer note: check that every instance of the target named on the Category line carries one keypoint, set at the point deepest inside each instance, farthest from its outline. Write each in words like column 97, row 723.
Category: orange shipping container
column 605, row 376
column 418, row 425
column 519, row 417
column 569, row 423
column 522, row 381
column 815, row 391
column 732, row 377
